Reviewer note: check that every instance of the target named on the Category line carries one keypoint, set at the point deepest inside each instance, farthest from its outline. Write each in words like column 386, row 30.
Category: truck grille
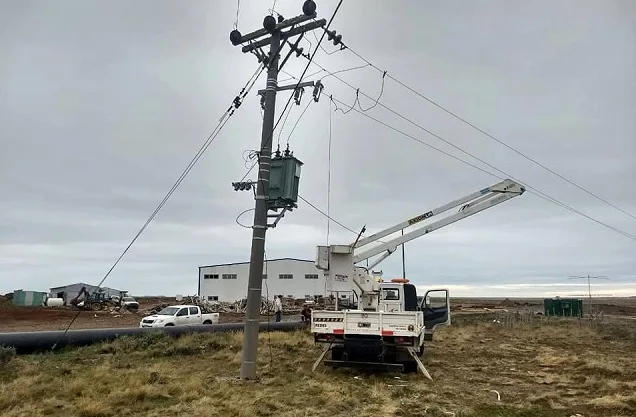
column 148, row 321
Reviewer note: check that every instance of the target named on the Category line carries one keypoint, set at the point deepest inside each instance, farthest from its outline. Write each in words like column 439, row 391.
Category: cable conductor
column 492, row 137
column 531, row 189
column 211, row 137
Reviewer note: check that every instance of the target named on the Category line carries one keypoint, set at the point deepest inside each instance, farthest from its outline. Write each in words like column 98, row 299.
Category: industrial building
column 289, row 277
column 68, row 292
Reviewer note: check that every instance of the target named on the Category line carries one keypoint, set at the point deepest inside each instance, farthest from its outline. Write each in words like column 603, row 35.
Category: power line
column 310, row 61
column 238, row 9
column 489, row 135
column 589, row 284
column 329, row 175
column 298, row 120
column 536, row 191
column 530, row 188
column 211, row 137
column 280, row 132
column 307, row 106
column 327, row 215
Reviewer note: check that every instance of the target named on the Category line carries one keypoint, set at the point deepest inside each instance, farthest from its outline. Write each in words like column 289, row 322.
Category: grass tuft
column 555, row 368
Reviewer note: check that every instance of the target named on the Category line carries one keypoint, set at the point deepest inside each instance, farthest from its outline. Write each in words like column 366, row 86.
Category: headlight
column 159, row 321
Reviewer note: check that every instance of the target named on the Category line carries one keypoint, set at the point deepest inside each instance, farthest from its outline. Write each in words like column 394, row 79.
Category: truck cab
column 398, row 296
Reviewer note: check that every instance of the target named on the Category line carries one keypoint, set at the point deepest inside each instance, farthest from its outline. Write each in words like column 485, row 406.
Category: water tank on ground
column 54, row 302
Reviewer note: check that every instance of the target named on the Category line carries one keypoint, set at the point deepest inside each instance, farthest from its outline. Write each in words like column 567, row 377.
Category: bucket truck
column 388, row 328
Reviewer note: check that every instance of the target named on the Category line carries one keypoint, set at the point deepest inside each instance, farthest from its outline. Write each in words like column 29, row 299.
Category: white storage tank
column 54, row 302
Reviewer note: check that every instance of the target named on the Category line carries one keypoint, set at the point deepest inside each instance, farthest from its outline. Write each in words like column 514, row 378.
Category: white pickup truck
column 179, row 315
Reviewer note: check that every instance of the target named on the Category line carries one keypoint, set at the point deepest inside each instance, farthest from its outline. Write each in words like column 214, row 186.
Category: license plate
column 364, row 324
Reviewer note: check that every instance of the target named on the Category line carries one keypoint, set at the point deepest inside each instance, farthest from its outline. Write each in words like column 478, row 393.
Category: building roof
column 247, row 263
column 83, row 284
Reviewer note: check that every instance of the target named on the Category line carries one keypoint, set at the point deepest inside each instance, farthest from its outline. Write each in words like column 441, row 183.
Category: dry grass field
column 538, row 368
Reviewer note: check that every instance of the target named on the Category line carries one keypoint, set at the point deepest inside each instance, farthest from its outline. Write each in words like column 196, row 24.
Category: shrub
column 6, row 354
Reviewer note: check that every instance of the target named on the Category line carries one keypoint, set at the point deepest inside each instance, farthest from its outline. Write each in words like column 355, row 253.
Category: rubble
column 290, row 305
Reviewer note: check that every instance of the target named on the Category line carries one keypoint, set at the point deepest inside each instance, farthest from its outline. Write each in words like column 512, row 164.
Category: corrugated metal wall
column 229, row 282
column 28, row 298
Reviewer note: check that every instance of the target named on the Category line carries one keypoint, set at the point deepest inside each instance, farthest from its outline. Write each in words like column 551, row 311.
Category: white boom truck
column 388, row 328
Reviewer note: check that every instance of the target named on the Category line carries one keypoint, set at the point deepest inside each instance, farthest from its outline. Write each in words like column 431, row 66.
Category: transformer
column 284, row 179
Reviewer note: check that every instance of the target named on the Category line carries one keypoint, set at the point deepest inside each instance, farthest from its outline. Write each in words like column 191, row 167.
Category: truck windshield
column 168, row 311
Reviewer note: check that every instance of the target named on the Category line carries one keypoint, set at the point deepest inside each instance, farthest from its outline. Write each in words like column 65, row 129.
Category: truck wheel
column 336, row 353
column 96, row 306
column 207, row 322
column 169, row 324
column 410, row 367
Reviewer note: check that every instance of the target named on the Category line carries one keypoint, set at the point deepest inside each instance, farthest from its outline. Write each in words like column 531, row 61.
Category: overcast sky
column 102, row 105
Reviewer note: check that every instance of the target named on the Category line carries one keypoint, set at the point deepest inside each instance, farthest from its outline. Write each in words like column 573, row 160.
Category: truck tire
column 336, row 353
column 169, row 324
column 207, row 322
column 410, row 367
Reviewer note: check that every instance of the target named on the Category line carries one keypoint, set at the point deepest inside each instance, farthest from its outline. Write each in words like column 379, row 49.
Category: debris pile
column 290, row 305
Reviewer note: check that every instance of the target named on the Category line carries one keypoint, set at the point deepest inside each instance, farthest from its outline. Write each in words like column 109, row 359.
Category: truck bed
column 372, row 323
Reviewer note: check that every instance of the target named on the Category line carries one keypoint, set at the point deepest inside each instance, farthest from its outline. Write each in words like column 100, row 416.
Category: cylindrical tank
column 54, row 302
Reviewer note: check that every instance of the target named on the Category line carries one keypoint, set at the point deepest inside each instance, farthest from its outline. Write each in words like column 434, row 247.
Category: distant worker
column 305, row 315
column 278, row 307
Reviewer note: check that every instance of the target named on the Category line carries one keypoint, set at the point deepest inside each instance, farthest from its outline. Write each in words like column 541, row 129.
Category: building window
column 229, row 276
column 286, row 276
column 213, row 298
column 210, row 276
column 311, row 276
column 264, row 276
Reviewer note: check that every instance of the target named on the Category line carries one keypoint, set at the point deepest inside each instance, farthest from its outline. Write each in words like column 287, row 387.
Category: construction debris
column 290, row 305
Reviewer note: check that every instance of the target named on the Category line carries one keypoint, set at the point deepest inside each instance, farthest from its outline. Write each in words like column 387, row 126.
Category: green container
column 284, row 179
column 565, row 307
column 19, row 298
column 28, row 298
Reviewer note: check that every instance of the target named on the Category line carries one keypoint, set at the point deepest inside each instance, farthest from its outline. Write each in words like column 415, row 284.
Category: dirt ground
column 27, row 319
column 623, row 306
column 543, row 367
column 18, row 319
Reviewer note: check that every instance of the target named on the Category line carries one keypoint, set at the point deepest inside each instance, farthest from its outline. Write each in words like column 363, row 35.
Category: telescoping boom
column 470, row 204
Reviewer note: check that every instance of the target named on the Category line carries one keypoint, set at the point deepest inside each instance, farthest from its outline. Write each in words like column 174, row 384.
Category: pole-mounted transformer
column 284, row 179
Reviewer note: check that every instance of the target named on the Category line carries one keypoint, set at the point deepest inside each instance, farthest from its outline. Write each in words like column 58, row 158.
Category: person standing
column 278, row 308
column 305, row 315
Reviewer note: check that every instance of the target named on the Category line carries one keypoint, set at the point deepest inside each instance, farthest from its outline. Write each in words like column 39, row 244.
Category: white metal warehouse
column 289, row 277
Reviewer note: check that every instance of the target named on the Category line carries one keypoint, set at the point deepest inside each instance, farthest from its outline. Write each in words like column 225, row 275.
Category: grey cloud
column 102, row 105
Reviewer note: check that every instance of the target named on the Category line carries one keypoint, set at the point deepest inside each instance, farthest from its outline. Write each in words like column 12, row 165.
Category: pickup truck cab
column 179, row 315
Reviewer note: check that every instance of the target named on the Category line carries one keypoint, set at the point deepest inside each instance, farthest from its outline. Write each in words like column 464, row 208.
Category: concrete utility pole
column 278, row 38
column 589, row 284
